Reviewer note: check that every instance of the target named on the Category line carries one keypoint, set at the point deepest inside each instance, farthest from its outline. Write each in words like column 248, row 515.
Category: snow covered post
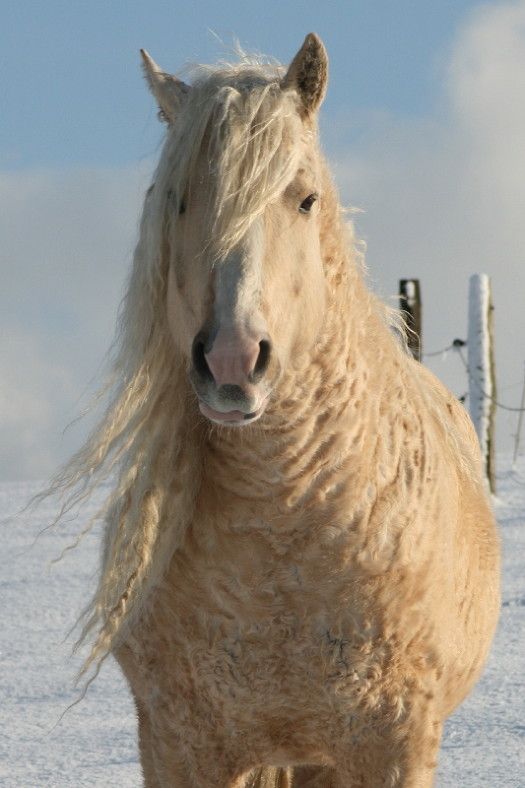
column 482, row 383
column 410, row 305
column 517, row 437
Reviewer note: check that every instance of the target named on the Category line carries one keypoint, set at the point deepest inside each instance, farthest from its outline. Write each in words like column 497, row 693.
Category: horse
column 300, row 570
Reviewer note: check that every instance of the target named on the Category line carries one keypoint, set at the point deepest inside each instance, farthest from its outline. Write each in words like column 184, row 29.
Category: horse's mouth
column 231, row 418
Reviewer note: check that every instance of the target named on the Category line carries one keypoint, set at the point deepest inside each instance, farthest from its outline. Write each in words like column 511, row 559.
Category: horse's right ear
column 169, row 91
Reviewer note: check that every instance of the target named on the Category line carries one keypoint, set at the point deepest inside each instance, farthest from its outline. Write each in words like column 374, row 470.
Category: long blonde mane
column 239, row 114
column 249, row 126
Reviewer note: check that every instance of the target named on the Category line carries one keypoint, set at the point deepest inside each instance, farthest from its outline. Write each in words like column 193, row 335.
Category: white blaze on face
column 238, row 326
column 238, row 281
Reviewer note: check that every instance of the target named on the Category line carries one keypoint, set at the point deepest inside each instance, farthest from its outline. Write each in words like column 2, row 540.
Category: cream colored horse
column 300, row 578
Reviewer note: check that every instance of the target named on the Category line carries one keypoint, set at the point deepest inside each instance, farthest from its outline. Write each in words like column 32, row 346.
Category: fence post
column 410, row 305
column 517, row 437
column 482, row 383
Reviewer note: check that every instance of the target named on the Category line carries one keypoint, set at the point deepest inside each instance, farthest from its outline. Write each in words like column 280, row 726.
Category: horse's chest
column 253, row 635
column 248, row 675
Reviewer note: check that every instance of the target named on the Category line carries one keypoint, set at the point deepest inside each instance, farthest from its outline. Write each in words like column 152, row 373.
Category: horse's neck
column 322, row 415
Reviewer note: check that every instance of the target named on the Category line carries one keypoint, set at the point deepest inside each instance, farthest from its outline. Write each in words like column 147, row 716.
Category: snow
column 94, row 744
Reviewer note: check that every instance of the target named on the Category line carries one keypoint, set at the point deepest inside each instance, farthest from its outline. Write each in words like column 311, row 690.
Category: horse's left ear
column 308, row 73
column 169, row 91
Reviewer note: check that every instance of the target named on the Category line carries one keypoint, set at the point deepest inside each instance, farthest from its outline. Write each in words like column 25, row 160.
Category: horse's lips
column 230, row 417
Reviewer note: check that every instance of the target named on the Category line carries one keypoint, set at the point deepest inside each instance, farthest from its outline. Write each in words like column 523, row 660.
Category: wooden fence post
column 482, row 382
column 410, row 305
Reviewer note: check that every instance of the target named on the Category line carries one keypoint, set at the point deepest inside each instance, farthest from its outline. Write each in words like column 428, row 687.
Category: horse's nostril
column 261, row 365
column 199, row 359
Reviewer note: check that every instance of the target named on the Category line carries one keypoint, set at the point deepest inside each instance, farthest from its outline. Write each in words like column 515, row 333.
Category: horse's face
column 243, row 320
column 246, row 319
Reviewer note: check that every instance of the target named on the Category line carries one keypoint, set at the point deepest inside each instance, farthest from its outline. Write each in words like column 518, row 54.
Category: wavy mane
column 249, row 127
column 239, row 113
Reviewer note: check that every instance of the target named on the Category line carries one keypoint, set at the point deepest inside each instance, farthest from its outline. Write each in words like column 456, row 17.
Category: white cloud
column 444, row 196
column 36, row 390
column 67, row 238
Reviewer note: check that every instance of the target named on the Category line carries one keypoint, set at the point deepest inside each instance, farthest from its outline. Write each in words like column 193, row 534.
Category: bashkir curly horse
column 300, row 573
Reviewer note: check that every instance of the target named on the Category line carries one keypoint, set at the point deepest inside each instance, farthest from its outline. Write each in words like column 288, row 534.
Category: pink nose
column 234, row 359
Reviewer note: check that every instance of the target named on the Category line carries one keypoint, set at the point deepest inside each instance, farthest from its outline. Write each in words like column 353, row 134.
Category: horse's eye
column 182, row 206
column 306, row 205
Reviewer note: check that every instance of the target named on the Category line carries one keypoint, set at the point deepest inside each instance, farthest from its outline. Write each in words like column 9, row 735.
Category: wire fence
column 457, row 345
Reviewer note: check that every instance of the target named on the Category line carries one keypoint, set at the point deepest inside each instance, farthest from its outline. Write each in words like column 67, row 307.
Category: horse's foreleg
column 163, row 766
column 266, row 777
column 393, row 760
column 147, row 759
column 314, row 777
column 419, row 761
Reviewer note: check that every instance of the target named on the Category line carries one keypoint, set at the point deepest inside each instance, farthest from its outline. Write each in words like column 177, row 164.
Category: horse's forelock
column 248, row 129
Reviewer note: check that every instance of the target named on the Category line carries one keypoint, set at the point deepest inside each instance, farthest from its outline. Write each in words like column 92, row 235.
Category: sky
column 423, row 125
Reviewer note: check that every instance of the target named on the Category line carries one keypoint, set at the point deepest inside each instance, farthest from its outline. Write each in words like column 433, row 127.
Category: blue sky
column 73, row 91
column 423, row 126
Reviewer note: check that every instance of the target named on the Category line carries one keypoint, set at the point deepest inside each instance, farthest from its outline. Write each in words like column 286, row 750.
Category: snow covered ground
column 95, row 743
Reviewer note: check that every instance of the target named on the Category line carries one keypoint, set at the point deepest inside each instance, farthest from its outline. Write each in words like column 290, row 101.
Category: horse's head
column 240, row 188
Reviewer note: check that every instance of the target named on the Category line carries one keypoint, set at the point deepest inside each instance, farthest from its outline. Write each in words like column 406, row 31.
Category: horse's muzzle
column 228, row 375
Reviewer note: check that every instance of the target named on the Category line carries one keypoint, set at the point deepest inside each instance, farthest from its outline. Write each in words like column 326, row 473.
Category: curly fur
column 301, row 603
